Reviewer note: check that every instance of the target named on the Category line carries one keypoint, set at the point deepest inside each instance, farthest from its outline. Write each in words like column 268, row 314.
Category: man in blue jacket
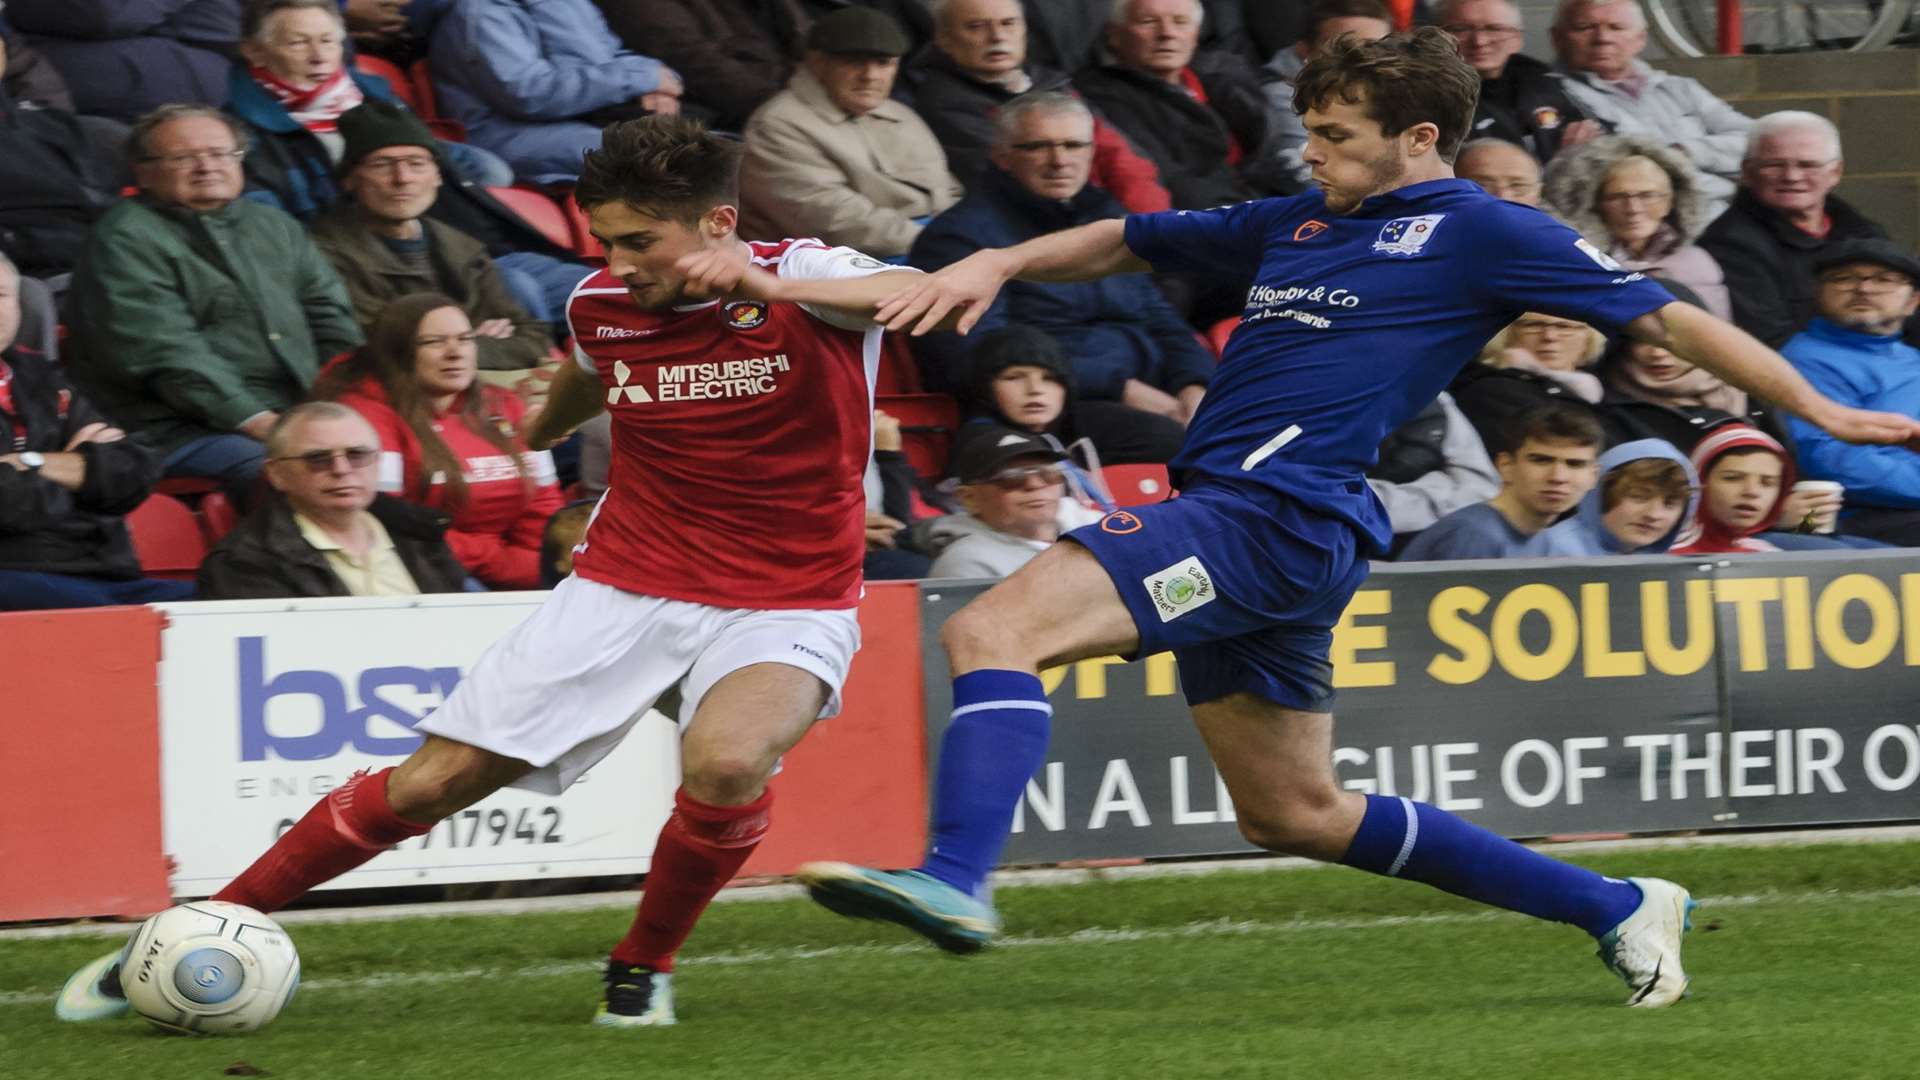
column 1124, row 341
column 1853, row 352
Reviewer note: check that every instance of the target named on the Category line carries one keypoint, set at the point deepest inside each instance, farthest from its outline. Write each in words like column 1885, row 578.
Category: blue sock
column 997, row 740
column 1402, row 838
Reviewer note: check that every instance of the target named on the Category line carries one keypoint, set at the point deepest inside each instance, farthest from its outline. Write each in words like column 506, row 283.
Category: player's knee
column 447, row 780
column 1304, row 823
column 725, row 778
column 973, row 638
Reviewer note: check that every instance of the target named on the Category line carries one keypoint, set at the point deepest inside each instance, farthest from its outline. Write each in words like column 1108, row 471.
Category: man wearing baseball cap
column 1852, row 351
column 1011, row 483
column 833, row 156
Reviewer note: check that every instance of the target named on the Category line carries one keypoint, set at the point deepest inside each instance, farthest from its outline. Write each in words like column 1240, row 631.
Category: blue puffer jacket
column 1866, row 371
column 1112, row 330
column 517, row 73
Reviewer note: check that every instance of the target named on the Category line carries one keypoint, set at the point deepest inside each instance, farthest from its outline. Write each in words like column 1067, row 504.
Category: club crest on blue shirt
column 1407, row 235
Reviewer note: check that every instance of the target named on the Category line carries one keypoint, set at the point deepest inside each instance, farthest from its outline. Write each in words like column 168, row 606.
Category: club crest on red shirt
column 745, row 314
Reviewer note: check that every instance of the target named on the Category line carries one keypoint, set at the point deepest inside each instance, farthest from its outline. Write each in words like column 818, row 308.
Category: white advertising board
column 267, row 705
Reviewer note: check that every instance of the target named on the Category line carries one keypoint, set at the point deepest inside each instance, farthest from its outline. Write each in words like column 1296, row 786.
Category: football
column 209, row 968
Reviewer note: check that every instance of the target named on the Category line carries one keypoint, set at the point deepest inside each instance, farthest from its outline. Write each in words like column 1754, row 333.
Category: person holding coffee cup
column 1748, row 487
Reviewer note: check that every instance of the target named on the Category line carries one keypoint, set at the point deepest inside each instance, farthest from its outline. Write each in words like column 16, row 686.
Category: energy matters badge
column 1183, row 587
column 1408, row 235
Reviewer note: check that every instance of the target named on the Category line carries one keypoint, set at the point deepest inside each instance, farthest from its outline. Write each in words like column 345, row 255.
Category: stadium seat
column 395, row 79
column 217, row 516
column 899, row 374
column 539, row 211
column 189, row 488
column 167, row 538
column 1137, row 485
column 426, row 104
column 1218, row 333
column 584, row 245
column 928, row 423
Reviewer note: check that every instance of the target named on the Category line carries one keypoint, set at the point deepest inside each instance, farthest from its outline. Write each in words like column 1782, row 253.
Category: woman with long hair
column 449, row 440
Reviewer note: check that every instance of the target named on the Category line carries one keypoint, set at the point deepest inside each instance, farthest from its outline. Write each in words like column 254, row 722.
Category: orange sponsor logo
column 1120, row 523
column 1308, row 230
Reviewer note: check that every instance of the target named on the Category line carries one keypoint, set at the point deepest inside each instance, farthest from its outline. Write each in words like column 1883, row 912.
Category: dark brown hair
column 1405, row 79
column 388, row 357
column 1558, row 422
column 1660, row 474
column 669, row 167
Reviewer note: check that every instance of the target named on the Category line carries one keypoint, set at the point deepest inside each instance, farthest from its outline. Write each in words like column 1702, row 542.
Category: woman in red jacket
column 449, row 440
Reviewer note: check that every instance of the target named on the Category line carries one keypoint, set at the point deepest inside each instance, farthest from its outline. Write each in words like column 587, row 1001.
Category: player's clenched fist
column 968, row 285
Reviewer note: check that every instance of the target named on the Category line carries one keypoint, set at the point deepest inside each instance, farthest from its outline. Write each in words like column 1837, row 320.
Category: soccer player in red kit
column 724, row 558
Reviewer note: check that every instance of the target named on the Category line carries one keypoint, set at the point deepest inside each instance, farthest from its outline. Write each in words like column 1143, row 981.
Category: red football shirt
column 741, row 432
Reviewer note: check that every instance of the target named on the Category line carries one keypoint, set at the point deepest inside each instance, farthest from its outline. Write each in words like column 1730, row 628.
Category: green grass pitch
column 1803, row 960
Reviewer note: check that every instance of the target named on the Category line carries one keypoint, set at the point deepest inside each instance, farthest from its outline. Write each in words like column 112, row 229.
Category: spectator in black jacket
column 67, row 479
column 1202, row 119
column 732, row 54
column 125, row 58
column 1124, row 341
column 324, row 532
column 1783, row 219
column 54, row 183
column 1521, row 99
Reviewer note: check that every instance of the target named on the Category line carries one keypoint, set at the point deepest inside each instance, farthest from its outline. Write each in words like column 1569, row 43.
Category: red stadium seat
column 217, row 517
column 184, row 487
column 584, row 245
column 394, row 77
column 928, row 424
column 167, row 538
column 1137, row 485
column 1218, row 333
column 539, row 211
column 898, row 372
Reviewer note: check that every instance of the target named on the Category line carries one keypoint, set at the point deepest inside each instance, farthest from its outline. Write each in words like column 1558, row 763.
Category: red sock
column 352, row 824
column 699, row 851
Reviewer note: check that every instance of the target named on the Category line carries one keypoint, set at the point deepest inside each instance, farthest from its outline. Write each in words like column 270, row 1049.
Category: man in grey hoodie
column 1645, row 497
column 1011, row 484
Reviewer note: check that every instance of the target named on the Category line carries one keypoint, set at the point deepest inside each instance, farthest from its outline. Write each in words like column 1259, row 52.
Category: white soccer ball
column 209, row 968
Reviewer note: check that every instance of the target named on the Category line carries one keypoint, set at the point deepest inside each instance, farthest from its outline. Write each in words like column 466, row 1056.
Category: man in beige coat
column 833, row 157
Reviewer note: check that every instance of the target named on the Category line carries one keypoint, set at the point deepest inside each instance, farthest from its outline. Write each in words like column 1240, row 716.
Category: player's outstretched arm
column 1736, row 356
column 718, row 272
column 957, row 296
column 574, row 398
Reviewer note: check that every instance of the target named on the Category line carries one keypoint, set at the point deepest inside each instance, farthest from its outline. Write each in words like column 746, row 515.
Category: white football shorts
column 562, row 689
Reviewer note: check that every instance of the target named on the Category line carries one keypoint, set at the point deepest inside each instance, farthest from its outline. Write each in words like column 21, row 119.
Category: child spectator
column 1550, row 468
column 1746, row 476
column 451, row 442
column 1646, row 495
column 1018, row 376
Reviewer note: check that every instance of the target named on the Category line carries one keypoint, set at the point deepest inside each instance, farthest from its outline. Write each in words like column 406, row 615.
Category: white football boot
column 1644, row 949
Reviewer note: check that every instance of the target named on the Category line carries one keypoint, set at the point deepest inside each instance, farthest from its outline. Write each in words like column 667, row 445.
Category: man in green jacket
column 199, row 316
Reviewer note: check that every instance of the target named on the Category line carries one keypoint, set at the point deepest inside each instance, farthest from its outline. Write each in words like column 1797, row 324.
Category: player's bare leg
column 1058, row 608
column 742, row 726
column 1277, row 764
column 348, row 826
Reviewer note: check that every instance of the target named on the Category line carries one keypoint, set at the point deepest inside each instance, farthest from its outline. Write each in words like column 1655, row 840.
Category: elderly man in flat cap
column 833, row 156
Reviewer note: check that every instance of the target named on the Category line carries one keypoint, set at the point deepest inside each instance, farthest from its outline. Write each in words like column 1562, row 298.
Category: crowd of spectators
column 283, row 283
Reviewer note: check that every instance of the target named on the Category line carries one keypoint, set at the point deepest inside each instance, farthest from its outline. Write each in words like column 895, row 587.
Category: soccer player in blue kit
column 1369, row 295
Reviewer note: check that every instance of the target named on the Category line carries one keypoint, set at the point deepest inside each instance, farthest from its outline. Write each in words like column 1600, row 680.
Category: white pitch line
column 1210, row 928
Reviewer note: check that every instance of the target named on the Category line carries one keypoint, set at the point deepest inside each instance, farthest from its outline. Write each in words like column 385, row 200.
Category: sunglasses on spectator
column 192, row 158
column 1016, row 479
column 1872, row 283
column 319, row 461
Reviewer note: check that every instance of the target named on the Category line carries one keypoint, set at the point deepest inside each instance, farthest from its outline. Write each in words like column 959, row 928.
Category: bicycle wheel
column 1686, row 27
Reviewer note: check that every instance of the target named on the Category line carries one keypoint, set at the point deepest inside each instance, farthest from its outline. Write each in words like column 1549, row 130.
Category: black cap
column 858, row 31
column 375, row 125
column 1876, row 251
column 988, row 450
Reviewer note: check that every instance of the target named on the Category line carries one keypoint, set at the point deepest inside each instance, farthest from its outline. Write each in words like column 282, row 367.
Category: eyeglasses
column 1637, row 198
column 1544, row 328
column 414, row 166
column 1065, row 146
column 320, row 461
column 1777, row 167
column 190, row 159
column 1870, row 283
column 441, row 341
column 1494, row 32
column 1016, row 479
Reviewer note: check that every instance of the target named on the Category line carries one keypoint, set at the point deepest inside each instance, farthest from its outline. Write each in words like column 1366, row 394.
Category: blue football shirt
column 1356, row 322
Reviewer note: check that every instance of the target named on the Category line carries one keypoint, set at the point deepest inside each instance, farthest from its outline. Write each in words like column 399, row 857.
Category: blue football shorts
column 1245, row 591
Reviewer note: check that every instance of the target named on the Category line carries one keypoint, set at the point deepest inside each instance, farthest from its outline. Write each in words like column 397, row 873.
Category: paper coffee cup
column 1825, row 520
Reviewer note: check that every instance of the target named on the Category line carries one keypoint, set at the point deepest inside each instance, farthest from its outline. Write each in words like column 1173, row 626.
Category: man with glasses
column 1011, row 485
column 1852, row 352
column 1123, row 340
column 324, row 532
column 1504, row 169
column 384, row 247
column 1599, row 43
column 207, row 314
column 1784, row 219
column 1521, row 100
